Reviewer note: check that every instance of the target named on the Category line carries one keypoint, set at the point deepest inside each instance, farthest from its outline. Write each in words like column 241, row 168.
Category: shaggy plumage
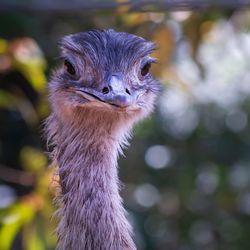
column 103, row 88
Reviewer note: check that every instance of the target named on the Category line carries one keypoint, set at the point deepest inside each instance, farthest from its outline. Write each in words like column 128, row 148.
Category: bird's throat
column 90, row 205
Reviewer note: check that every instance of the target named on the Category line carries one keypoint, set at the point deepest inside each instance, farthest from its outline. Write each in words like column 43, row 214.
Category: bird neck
column 91, row 212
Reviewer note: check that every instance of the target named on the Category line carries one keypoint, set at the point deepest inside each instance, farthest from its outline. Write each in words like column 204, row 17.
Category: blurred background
column 187, row 173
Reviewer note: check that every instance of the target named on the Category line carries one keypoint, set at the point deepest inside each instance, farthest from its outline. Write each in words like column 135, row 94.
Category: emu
column 102, row 89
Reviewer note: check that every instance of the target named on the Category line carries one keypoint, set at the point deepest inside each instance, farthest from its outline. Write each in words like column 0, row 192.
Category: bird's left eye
column 69, row 67
column 145, row 69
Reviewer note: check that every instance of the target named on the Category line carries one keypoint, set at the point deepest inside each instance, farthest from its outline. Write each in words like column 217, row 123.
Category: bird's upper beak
column 117, row 93
column 114, row 93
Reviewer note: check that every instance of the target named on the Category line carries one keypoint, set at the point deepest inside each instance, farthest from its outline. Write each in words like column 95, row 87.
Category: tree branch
column 16, row 176
column 66, row 7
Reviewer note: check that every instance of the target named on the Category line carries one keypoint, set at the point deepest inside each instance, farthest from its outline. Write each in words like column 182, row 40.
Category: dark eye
column 145, row 69
column 69, row 67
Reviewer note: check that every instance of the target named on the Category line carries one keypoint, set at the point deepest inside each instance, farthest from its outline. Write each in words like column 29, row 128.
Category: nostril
column 105, row 90
column 128, row 92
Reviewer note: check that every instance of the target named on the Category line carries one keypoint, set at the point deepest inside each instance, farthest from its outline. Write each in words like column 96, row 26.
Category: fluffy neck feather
column 91, row 212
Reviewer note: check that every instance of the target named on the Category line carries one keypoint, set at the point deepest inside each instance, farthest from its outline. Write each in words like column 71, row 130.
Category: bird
column 102, row 87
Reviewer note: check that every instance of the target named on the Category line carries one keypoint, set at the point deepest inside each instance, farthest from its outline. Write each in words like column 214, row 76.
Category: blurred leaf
column 12, row 222
column 27, row 110
column 3, row 45
column 43, row 107
column 6, row 100
column 197, row 27
column 29, row 59
column 32, row 159
column 35, row 243
column 134, row 19
column 164, row 39
column 33, row 238
column 122, row 8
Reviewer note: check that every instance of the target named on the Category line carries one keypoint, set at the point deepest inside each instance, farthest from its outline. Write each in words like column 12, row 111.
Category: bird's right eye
column 69, row 67
column 145, row 69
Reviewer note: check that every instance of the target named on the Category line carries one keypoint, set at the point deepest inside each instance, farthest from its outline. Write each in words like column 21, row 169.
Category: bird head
column 104, row 73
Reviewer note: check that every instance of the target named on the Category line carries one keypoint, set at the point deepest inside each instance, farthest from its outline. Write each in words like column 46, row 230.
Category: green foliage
column 186, row 173
column 12, row 220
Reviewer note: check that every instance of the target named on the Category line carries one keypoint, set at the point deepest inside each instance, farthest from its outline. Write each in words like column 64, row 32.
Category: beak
column 117, row 93
column 114, row 93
